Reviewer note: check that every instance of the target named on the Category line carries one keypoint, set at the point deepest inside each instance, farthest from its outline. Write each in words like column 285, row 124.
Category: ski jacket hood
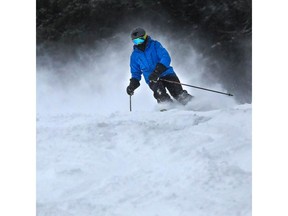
column 144, row 62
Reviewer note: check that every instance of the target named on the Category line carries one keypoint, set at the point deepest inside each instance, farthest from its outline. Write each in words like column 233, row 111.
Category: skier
column 152, row 60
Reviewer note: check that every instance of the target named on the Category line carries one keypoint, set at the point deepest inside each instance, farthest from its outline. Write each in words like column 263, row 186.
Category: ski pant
column 175, row 90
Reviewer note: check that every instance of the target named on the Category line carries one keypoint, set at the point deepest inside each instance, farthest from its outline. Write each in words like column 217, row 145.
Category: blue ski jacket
column 144, row 62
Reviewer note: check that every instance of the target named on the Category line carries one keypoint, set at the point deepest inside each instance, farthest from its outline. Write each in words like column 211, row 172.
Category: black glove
column 134, row 83
column 154, row 76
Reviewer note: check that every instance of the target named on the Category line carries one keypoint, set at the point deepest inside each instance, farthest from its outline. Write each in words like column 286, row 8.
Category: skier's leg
column 160, row 93
column 176, row 90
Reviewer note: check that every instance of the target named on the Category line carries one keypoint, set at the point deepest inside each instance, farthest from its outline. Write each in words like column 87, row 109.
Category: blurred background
column 84, row 46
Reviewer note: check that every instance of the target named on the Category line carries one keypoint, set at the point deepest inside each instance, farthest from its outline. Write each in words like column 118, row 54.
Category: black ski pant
column 175, row 90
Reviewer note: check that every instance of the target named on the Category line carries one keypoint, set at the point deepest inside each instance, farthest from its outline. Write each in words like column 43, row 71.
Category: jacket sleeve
column 134, row 68
column 163, row 55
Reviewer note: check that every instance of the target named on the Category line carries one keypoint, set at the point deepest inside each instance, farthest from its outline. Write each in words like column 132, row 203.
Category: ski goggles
column 139, row 40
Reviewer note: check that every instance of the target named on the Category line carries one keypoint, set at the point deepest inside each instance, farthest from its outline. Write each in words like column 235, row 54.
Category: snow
column 146, row 163
column 95, row 157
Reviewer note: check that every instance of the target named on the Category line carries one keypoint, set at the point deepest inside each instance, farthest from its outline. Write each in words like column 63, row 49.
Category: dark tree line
column 76, row 20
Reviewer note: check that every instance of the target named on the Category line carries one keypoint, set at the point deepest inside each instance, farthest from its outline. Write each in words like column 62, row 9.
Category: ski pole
column 130, row 104
column 196, row 87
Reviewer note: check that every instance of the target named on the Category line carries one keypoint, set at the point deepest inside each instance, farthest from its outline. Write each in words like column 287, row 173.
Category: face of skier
column 139, row 40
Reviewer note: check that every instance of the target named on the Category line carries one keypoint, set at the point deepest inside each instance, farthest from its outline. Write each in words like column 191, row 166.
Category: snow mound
column 173, row 163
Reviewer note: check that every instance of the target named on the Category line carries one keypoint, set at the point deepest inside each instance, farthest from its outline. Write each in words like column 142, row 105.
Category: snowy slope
column 95, row 158
column 145, row 163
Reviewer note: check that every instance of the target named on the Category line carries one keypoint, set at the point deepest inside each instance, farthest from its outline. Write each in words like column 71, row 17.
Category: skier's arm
column 163, row 55
column 135, row 76
column 163, row 63
column 135, row 69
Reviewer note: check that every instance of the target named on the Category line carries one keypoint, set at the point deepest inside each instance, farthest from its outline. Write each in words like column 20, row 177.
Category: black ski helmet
column 137, row 32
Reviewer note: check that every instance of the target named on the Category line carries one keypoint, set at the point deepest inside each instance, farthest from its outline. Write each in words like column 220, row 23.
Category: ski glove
column 134, row 83
column 154, row 76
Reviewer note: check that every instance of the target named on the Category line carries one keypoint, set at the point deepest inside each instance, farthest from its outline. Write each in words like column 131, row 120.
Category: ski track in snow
column 173, row 163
